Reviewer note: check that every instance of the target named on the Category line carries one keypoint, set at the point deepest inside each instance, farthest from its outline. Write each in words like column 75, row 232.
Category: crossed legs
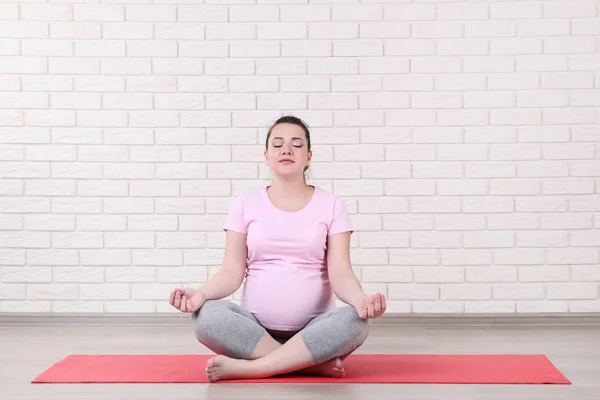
column 247, row 350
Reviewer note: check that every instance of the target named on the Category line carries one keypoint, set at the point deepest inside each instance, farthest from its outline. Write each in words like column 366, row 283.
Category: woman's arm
column 231, row 274
column 344, row 283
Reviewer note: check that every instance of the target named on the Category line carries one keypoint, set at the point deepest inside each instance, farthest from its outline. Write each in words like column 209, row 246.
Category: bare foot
column 332, row 368
column 223, row 367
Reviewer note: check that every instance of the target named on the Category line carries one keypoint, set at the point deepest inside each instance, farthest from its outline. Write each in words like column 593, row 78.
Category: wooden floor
column 26, row 351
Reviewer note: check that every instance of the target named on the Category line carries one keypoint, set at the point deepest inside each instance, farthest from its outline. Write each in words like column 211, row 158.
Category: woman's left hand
column 371, row 306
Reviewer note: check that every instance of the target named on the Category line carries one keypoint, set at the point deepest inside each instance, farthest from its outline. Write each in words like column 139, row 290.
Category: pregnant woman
column 291, row 242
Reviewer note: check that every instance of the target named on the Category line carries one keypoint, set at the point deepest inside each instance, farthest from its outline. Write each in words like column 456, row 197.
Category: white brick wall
column 462, row 135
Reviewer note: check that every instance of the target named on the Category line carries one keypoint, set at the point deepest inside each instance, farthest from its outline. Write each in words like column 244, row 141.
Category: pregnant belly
column 284, row 301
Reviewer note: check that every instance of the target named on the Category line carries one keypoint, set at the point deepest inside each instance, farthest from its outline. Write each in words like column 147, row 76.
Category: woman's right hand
column 187, row 300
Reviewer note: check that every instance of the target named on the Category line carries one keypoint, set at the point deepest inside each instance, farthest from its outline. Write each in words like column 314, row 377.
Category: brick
column 371, row 187
column 104, row 291
column 11, row 11
column 437, row 307
column 104, row 12
column 463, row 117
column 544, row 27
column 46, row 48
column 399, row 291
column 584, row 203
column 546, row 273
column 156, row 119
column 25, row 240
column 129, row 136
column 228, row 67
column 76, row 101
column 518, row 291
column 541, row 204
column 516, row 117
column 538, row 169
column 466, row 257
column 584, row 306
column 520, row 221
column 543, row 239
column 487, row 204
column 515, row 187
column 12, row 291
column 458, row 82
column 11, row 222
column 153, row 13
column 203, row 257
column 437, row 170
column 362, row 12
column 11, row 118
column 252, row 49
column 383, row 239
column 375, row 30
column 467, row 291
column 326, row 66
column 19, row 205
column 585, row 273
column 433, row 66
column 335, row 170
column 238, row 31
column 435, row 205
column 202, row 13
column 410, row 118
column 52, row 291
column 305, row 13
column 518, row 45
column 179, row 31
column 438, row 275
column 571, row 291
column 459, row 222
column 490, row 29
column 585, row 238
column 283, row 31
column 248, row 84
column 414, row 257
column 154, row 189
column 566, row 221
column 539, row 134
column 101, row 223
column 75, row 30
column 53, row 257
column 488, row 239
column 412, row 47
column 102, row 118
column 513, row 81
column 386, row 274
column 24, row 30
column 127, row 30
column 359, row 118
column 545, row 306
column 515, row 11
column 542, row 63
column 575, row 9
column 410, row 152
column 348, row 83
column 583, row 98
column 580, row 115
column 401, row 222
column 584, row 168
column 208, row 153
column 100, row 83
column 230, row 101
column 15, row 257
column 409, row 12
column 128, row 206
column 10, row 83
column 505, row 152
column 490, row 134
column 454, row 11
column 567, row 80
column 545, row 98
column 358, row 48
column 575, row 186
column 48, row 187
column 491, row 274
column 565, row 256
column 24, row 100
column 24, row 170
column 157, row 257
column 489, row 100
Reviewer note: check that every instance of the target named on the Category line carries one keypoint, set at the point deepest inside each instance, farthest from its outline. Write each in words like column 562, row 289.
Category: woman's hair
column 289, row 119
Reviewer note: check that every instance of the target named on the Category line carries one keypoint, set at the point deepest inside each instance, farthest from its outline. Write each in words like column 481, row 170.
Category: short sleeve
column 340, row 221
column 235, row 219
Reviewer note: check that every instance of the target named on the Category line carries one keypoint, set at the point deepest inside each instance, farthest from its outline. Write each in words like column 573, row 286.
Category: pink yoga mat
column 360, row 368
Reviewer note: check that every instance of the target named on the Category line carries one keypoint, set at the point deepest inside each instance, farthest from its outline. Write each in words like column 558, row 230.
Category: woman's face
column 287, row 153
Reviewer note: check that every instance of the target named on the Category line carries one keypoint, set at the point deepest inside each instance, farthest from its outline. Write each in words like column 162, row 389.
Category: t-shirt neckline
column 273, row 206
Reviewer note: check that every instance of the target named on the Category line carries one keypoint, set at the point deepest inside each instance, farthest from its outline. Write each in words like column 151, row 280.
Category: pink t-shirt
column 286, row 278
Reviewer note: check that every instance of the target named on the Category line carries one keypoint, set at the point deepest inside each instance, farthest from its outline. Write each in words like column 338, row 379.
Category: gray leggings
column 228, row 329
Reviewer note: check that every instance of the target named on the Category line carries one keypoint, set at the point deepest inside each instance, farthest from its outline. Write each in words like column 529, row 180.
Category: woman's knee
column 358, row 328
column 205, row 321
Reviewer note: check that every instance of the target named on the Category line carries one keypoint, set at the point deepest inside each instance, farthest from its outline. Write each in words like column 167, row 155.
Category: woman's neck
column 289, row 187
